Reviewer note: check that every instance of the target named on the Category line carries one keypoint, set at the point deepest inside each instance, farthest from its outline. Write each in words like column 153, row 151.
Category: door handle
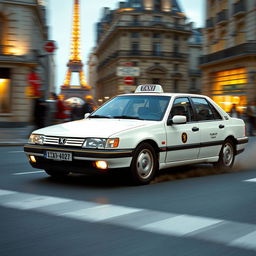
column 221, row 126
column 195, row 129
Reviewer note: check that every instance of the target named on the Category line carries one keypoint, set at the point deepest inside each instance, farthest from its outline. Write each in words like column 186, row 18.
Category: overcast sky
column 60, row 21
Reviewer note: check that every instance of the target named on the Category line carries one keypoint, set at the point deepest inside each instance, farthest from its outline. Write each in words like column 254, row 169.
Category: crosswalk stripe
column 247, row 241
column 101, row 212
column 180, row 225
column 165, row 223
column 6, row 192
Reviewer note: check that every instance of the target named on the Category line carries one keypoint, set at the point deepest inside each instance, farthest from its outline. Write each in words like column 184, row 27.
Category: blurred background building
column 229, row 61
column 23, row 60
column 145, row 41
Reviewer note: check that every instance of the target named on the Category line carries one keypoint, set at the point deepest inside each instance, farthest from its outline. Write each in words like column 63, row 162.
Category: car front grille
column 63, row 141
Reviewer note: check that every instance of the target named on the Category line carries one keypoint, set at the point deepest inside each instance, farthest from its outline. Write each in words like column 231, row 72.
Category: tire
column 57, row 174
column 227, row 155
column 144, row 164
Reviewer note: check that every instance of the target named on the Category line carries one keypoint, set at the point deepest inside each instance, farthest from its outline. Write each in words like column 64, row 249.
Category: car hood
column 102, row 128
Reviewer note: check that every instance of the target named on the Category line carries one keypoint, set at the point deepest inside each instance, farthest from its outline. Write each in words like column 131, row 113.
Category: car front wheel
column 144, row 164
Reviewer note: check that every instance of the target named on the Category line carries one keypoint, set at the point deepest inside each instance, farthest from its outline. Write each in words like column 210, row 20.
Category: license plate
column 59, row 156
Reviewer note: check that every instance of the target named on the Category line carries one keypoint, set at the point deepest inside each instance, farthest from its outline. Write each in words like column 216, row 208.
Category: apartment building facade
column 23, row 34
column 151, row 35
column 229, row 61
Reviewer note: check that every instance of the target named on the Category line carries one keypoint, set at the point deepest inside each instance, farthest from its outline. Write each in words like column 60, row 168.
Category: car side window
column 216, row 114
column 203, row 109
column 182, row 106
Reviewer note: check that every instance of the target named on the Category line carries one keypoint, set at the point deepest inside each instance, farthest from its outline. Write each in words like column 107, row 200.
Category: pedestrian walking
column 60, row 115
column 87, row 107
column 75, row 112
column 251, row 114
column 39, row 113
column 234, row 112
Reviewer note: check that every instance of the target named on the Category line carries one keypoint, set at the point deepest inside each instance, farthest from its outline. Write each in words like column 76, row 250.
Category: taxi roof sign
column 149, row 88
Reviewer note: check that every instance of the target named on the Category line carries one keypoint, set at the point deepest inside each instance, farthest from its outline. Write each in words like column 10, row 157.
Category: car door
column 183, row 140
column 211, row 125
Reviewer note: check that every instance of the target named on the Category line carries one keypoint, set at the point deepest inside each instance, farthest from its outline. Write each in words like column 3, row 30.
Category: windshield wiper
column 128, row 117
column 99, row 116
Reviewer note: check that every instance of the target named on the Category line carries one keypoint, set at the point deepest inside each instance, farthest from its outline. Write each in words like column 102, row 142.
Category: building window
column 157, row 5
column 5, row 91
column 157, row 49
column 229, row 87
column 193, row 84
column 135, row 35
column 135, row 19
column 176, row 67
column 136, row 3
column 176, row 85
column 176, row 48
column 176, row 21
column 2, row 25
column 157, row 19
column 155, row 81
column 135, row 48
column 176, row 38
column 157, row 36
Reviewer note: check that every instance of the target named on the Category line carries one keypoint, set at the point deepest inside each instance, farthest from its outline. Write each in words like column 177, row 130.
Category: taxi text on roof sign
column 149, row 88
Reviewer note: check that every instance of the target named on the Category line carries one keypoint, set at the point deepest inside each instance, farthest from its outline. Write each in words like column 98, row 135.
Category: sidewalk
column 14, row 136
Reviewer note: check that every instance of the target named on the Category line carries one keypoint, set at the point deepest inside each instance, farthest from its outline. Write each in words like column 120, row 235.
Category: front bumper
column 83, row 160
column 241, row 143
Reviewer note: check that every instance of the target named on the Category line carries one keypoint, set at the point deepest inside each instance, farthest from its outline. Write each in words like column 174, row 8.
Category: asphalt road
column 185, row 211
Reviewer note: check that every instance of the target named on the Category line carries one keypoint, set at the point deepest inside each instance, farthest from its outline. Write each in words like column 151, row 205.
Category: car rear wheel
column 56, row 174
column 227, row 155
column 144, row 164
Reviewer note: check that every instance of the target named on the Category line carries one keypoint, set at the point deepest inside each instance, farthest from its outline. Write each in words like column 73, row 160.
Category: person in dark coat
column 40, row 109
column 87, row 107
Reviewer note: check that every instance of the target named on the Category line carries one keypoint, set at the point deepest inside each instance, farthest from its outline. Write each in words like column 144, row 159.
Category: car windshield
column 141, row 107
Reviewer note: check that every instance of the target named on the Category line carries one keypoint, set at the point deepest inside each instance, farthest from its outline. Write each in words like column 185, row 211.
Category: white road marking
column 180, row 225
column 6, row 192
column 13, row 152
column 35, row 202
column 25, row 173
column 251, row 180
column 101, row 212
column 247, row 241
column 165, row 223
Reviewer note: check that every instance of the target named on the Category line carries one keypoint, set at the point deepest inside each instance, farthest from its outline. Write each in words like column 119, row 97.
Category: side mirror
column 86, row 115
column 177, row 120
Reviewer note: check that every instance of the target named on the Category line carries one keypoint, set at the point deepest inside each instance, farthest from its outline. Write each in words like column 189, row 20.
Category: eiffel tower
column 75, row 64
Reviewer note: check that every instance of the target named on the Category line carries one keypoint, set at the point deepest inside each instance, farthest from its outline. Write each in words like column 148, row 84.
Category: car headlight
column 94, row 143
column 36, row 139
column 100, row 143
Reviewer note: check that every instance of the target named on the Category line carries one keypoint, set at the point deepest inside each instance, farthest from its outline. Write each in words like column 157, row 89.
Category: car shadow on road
column 121, row 178
column 192, row 171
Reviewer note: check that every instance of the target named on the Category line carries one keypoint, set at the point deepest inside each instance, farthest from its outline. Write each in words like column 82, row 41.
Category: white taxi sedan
column 144, row 131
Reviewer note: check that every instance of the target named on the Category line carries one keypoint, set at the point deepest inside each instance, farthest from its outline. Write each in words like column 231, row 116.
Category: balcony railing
column 239, row 50
column 239, row 7
column 148, row 54
column 173, row 25
column 186, row 28
column 222, row 16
